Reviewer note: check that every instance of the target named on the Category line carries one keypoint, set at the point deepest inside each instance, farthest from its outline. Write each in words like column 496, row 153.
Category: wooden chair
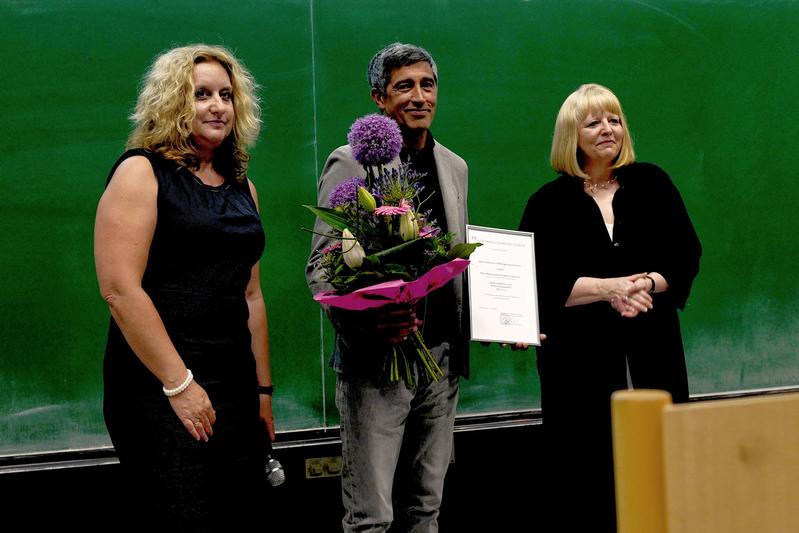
column 720, row 466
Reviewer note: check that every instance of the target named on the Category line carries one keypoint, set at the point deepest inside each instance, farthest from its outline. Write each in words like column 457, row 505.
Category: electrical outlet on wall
column 316, row 467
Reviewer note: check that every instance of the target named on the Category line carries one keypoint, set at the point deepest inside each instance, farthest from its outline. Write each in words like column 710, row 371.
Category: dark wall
column 708, row 88
column 493, row 480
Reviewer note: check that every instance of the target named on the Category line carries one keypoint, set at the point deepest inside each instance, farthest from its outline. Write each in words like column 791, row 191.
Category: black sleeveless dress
column 205, row 243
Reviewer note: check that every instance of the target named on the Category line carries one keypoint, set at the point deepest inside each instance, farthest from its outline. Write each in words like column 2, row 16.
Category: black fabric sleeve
column 678, row 249
column 555, row 271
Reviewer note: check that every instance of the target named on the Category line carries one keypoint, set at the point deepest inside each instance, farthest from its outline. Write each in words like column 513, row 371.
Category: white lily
column 408, row 226
column 354, row 253
column 366, row 200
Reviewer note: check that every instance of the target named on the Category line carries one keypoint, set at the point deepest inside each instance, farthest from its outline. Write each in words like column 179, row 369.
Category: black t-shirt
column 437, row 310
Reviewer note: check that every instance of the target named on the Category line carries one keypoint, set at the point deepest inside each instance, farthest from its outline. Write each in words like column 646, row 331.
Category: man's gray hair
column 393, row 56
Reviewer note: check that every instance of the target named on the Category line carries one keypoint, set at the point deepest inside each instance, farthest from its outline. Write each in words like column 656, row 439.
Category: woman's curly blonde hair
column 162, row 120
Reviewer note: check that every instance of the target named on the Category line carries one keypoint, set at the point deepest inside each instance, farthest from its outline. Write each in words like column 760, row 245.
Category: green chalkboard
column 708, row 88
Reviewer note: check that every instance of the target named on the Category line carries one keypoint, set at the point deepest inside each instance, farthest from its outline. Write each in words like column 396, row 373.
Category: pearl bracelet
column 180, row 388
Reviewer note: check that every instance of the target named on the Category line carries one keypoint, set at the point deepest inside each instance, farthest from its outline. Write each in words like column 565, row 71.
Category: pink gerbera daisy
column 384, row 210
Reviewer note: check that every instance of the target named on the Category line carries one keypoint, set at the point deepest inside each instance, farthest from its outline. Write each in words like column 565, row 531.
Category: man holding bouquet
column 397, row 435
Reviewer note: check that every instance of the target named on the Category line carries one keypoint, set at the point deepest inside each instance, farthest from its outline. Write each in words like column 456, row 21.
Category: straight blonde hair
column 162, row 119
column 591, row 97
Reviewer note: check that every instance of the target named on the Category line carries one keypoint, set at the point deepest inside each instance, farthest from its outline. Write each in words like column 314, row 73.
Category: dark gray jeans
column 396, row 447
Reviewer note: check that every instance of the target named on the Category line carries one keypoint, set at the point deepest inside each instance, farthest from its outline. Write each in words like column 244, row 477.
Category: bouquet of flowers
column 386, row 248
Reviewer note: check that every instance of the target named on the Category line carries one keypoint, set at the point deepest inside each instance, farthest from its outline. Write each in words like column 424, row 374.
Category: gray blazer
column 453, row 175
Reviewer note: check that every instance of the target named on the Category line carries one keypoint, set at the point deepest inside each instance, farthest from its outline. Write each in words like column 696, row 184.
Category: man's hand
column 516, row 346
column 391, row 323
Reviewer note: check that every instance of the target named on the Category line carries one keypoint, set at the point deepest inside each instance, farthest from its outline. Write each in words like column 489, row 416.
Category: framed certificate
column 503, row 303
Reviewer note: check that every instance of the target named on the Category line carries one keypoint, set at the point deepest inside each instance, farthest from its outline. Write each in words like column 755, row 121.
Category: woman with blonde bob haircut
column 616, row 255
column 178, row 239
column 565, row 156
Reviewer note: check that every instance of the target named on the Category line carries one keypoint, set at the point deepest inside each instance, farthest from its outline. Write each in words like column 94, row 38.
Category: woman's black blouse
column 652, row 233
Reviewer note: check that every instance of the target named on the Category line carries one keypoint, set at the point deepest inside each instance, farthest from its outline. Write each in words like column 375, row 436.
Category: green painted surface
column 708, row 87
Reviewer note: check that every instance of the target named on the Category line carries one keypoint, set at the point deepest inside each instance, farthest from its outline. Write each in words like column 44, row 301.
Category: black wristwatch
column 266, row 390
column 652, row 288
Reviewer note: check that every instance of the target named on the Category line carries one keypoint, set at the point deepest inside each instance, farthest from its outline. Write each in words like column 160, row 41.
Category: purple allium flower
column 346, row 192
column 375, row 140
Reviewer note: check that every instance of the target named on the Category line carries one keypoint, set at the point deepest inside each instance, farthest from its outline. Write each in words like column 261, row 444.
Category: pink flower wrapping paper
column 395, row 291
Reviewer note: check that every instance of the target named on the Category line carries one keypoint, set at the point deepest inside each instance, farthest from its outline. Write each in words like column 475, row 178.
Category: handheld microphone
column 272, row 467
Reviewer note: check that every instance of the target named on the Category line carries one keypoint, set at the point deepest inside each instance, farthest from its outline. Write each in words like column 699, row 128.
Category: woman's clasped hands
column 629, row 295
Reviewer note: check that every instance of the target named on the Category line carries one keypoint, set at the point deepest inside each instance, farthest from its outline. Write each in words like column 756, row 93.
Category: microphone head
column 274, row 472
